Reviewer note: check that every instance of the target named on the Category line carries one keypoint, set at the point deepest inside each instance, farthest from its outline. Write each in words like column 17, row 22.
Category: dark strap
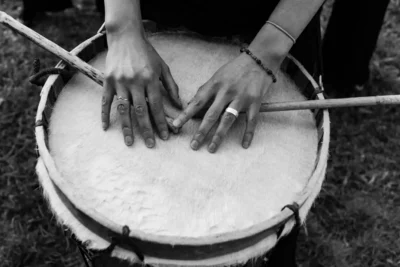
column 164, row 250
column 39, row 76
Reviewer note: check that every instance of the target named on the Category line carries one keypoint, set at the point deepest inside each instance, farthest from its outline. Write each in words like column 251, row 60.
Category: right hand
column 133, row 73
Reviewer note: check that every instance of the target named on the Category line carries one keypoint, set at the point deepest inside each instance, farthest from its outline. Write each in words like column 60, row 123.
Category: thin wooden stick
column 332, row 103
column 53, row 48
column 98, row 77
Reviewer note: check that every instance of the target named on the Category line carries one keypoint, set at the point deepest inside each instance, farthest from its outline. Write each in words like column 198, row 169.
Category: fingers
column 157, row 109
column 225, row 124
column 106, row 101
column 210, row 119
column 198, row 101
column 142, row 115
column 124, row 108
column 251, row 123
column 171, row 127
column 170, row 86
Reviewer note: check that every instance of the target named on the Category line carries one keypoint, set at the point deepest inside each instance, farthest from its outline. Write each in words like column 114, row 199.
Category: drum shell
column 282, row 223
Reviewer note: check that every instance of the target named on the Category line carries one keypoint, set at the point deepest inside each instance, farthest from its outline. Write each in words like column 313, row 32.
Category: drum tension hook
column 89, row 255
column 86, row 254
column 295, row 208
column 116, row 240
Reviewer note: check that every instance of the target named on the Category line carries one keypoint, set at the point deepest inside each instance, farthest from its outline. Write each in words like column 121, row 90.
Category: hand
column 133, row 72
column 240, row 84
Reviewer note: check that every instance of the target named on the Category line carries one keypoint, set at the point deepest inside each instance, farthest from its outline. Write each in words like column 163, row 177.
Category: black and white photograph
column 261, row 133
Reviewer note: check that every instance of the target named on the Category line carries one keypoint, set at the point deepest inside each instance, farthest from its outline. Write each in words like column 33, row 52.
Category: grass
column 355, row 220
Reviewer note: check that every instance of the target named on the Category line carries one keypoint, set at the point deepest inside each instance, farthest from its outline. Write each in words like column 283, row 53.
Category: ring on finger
column 122, row 98
column 233, row 111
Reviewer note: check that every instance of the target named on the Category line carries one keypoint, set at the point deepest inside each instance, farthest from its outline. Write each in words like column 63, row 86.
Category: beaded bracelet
column 258, row 61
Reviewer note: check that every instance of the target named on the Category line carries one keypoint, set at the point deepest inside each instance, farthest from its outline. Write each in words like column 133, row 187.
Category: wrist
column 271, row 46
column 123, row 17
column 258, row 61
column 117, row 29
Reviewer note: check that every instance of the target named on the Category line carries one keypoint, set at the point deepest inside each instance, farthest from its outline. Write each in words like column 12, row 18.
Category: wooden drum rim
column 217, row 244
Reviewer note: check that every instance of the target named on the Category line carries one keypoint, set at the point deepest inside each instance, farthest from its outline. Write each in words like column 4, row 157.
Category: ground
column 355, row 220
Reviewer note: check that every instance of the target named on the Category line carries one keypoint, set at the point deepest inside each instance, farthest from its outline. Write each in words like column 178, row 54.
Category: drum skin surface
column 171, row 190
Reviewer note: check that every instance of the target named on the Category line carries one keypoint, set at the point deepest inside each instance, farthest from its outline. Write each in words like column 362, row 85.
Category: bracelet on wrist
column 282, row 30
column 259, row 62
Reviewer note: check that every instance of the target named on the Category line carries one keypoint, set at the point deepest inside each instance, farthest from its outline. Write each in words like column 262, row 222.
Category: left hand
column 240, row 84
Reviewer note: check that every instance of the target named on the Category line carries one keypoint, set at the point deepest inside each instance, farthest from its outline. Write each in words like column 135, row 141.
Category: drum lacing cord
column 295, row 208
column 318, row 91
column 86, row 254
column 38, row 76
column 89, row 255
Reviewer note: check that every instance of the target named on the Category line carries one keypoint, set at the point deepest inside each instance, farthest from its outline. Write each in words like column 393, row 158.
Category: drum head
column 172, row 190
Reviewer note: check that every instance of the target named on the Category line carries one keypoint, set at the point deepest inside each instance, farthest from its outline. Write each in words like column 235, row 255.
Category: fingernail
column 180, row 103
column 176, row 123
column 175, row 130
column 194, row 145
column 212, row 147
column 246, row 144
column 149, row 142
column 164, row 135
column 128, row 140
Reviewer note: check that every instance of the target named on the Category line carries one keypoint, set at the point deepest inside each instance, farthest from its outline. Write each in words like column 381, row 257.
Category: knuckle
column 147, row 74
column 166, row 68
column 155, row 104
column 122, row 108
column 252, row 122
column 147, row 132
column 216, row 88
column 105, row 101
column 229, row 118
column 140, row 110
column 229, row 92
column 126, row 130
column 184, row 114
column 199, row 135
column 217, row 138
column 254, row 118
column 201, row 89
column 162, row 126
column 196, row 102
column 253, row 97
column 122, row 78
column 118, row 76
column 215, row 83
column 156, row 108
column 109, row 77
column 248, row 135
column 104, row 119
column 212, row 116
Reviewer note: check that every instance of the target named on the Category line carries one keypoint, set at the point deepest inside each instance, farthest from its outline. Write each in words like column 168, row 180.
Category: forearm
column 272, row 45
column 123, row 16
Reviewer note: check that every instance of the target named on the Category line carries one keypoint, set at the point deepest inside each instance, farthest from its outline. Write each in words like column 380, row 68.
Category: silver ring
column 233, row 111
column 121, row 98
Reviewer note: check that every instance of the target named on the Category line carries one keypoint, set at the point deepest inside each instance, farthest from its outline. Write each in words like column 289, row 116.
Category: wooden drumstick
column 53, row 48
column 98, row 77
column 332, row 103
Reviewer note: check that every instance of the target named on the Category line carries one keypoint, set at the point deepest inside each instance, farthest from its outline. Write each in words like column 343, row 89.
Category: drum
column 171, row 206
